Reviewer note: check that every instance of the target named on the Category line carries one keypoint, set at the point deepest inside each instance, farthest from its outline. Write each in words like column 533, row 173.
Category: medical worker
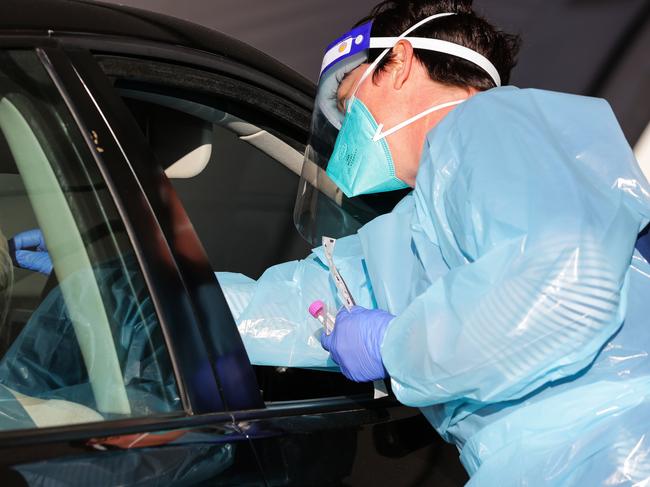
column 503, row 295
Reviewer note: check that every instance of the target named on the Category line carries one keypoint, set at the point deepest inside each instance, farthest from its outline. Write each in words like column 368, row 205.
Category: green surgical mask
column 361, row 161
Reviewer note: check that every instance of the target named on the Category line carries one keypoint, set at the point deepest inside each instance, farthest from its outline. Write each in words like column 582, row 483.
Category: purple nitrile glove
column 28, row 251
column 355, row 343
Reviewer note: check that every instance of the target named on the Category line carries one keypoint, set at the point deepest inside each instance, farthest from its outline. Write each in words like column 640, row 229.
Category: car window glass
column 80, row 339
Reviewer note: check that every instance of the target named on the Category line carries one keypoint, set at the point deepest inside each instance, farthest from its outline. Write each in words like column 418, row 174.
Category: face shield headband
column 351, row 50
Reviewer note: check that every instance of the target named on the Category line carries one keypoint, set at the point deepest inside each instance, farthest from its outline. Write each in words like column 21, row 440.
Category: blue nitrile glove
column 28, row 251
column 355, row 343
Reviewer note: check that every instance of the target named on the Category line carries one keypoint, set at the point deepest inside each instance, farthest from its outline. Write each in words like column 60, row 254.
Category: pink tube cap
column 316, row 308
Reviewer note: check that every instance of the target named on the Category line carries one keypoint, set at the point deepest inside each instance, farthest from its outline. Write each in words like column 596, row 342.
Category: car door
column 232, row 149
column 105, row 376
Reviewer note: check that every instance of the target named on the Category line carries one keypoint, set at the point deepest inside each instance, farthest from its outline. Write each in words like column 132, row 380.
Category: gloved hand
column 355, row 343
column 28, row 251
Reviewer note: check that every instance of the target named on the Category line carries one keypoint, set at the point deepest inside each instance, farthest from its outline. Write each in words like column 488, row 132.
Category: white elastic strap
column 376, row 62
column 380, row 135
column 445, row 47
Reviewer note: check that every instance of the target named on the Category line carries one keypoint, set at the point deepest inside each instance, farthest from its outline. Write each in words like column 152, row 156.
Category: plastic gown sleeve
column 272, row 313
column 534, row 201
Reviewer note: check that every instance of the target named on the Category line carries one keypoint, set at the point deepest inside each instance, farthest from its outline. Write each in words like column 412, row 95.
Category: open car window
column 236, row 173
column 236, row 180
column 80, row 338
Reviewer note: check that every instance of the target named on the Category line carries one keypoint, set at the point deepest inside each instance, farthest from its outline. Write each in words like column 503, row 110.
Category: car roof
column 103, row 19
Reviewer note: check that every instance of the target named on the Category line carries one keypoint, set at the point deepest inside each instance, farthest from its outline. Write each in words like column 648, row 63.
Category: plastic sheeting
column 13, row 414
column 520, row 326
column 591, row 430
column 272, row 313
column 45, row 361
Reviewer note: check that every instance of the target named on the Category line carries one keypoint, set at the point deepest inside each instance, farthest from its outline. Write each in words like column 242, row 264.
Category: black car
column 151, row 153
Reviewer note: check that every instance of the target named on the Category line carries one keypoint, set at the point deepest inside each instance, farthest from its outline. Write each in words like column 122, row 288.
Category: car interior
column 238, row 183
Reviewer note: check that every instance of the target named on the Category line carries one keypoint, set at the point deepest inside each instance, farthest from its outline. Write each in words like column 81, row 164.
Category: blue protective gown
column 521, row 305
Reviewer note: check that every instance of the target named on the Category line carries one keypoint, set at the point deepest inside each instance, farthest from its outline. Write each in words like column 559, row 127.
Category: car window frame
column 242, row 99
column 205, row 304
column 115, row 165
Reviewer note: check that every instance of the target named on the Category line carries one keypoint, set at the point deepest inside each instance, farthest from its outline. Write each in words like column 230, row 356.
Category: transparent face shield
column 322, row 208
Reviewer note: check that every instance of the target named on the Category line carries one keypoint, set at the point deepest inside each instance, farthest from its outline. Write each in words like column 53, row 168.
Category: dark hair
column 392, row 17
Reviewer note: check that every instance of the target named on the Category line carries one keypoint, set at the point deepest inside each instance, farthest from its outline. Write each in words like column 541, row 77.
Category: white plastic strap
column 437, row 45
column 444, row 47
column 380, row 135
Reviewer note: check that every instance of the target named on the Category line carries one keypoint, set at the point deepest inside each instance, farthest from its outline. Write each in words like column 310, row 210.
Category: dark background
column 589, row 47
column 565, row 40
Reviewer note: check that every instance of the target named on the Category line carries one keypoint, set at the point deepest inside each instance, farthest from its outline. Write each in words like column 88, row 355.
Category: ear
column 401, row 63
